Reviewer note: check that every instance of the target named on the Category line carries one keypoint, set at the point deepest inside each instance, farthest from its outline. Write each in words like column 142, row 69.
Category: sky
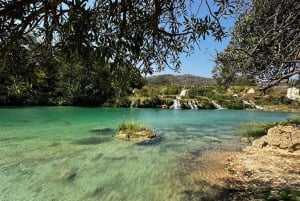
column 201, row 62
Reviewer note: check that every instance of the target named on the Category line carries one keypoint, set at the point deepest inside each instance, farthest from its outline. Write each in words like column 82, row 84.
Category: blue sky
column 201, row 62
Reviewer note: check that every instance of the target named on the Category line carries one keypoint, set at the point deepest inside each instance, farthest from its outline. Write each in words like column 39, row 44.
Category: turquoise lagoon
column 70, row 153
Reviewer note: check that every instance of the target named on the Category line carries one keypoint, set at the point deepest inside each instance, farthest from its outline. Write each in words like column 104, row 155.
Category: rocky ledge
column 138, row 136
column 273, row 161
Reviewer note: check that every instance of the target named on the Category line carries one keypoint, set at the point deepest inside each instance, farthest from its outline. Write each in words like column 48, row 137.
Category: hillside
column 186, row 80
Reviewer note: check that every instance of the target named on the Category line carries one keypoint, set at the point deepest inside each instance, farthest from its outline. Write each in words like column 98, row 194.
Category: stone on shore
column 282, row 137
column 273, row 161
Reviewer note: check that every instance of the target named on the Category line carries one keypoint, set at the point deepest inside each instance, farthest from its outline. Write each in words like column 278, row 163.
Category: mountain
column 187, row 80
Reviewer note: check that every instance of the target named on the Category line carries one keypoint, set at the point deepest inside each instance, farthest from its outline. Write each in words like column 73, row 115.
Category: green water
column 69, row 153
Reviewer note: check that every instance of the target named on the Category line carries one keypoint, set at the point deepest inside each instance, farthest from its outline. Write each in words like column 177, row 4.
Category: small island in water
column 133, row 131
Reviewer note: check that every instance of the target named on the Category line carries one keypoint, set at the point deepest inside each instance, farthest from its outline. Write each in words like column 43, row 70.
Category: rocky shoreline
column 272, row 162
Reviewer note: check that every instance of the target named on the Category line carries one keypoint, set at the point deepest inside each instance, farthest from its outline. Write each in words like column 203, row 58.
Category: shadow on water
column 210, row 192
column 16, row 123
column 16, row 139
column 102, row 131
column 92, row 140
column 155, row 141
column 205, row 192
column 260, row 190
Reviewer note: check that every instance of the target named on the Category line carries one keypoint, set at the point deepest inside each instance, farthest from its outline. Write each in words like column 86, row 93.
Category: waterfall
column 183, row 92
column 252, row 104
column 133, row 104
column 192, row 104
column 176, row 104
column 216, row 105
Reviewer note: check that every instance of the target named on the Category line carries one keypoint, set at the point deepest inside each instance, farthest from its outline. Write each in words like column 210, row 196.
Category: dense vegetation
column 91, row 51
column 265, row 45
column 159, row 93
column 188, row 80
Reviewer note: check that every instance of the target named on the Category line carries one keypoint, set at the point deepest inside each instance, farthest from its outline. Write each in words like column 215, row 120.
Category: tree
column 112, row 40
column 144, row 33
column 265, row 44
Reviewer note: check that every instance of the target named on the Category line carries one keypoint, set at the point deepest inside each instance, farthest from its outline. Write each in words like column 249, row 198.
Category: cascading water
column 216, row 105
column 176, row 102
column 176, row 105
column 183, row 92
column 133, row 104
column 192, row 104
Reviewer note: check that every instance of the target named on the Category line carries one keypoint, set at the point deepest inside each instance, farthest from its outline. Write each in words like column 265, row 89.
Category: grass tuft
column 131, row 126
column 257, row 130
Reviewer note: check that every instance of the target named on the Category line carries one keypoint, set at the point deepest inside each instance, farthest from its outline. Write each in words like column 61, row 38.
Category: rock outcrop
column 136, row 136
column 281, row 137
column 273, row 161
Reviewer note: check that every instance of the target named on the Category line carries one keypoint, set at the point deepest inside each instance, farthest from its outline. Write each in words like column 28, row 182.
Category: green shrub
column 285, row 100
column 235, row 105
column 173, row 89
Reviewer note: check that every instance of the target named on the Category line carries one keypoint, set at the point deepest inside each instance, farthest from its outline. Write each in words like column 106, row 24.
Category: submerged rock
column 211, row 139
column 68, row 174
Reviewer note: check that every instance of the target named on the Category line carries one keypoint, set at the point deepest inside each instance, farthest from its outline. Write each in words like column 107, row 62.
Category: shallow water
column 70, row 153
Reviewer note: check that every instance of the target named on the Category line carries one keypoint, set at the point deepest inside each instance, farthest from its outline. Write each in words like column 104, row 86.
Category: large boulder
column 282, row 137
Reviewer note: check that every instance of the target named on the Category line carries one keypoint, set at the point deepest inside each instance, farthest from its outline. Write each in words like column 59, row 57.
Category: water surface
column 70, row 153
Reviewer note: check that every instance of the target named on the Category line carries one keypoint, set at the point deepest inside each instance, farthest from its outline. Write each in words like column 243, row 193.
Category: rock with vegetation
column 272, row 162
column 132, row 131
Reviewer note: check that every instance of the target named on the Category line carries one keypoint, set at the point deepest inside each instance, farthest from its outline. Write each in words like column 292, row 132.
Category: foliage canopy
column 125, row 32
column 265, row 44
column 70, row 44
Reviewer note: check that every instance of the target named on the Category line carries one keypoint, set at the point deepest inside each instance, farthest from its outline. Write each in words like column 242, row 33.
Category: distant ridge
column 187, row 79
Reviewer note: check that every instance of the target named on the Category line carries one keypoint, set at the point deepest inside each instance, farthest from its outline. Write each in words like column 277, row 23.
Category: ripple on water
column 60, row 164
column 204, row 174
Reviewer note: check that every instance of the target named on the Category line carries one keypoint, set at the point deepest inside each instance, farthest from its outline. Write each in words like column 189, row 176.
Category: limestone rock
column 67, row 174
column 293, row 93
column 272, row 161
column 211, row 139
column 251, row 91
column 136, row 136
column 260, row 143
column 284, row 137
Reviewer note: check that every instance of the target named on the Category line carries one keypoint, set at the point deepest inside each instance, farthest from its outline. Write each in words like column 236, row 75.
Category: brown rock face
column 283, row 137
